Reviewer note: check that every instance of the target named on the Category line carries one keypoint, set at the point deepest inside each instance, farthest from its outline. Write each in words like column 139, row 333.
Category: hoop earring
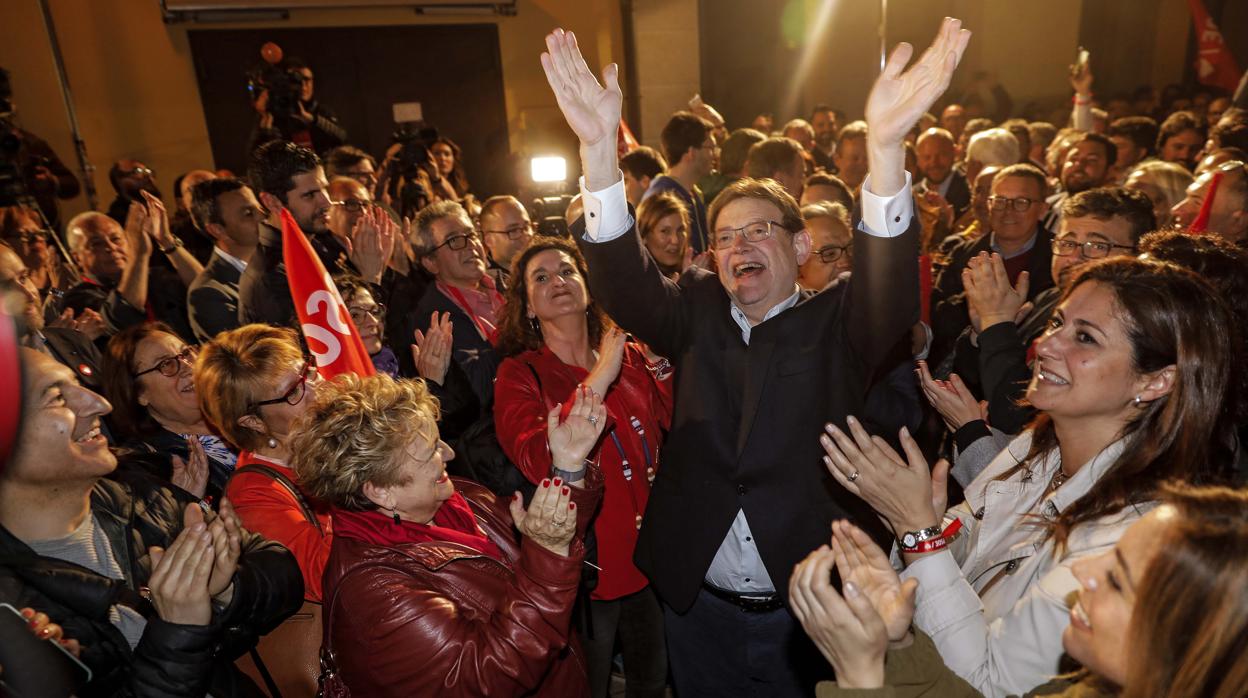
column 394, row 512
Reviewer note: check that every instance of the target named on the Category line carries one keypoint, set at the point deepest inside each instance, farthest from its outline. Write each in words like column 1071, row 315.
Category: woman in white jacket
column 1131, row 381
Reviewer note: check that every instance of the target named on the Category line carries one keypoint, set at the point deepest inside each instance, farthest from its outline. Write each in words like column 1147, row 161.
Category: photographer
column 41, row 172
column 410, row 176
column 283, row 98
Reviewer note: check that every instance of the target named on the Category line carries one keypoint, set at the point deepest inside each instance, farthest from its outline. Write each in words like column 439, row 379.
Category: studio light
column 549, row 169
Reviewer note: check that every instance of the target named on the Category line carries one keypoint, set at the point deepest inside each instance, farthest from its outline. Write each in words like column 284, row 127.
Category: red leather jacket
column 440, row 619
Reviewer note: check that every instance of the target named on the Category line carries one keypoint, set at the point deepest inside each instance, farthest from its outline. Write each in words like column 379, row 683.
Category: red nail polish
column 546, row 483
column 566, row 491
column 558, row 482
column 571, row 505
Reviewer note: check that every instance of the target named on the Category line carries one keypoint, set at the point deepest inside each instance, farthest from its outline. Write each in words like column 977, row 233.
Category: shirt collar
column 744, row 323
column 235, row 262
column 992, row 241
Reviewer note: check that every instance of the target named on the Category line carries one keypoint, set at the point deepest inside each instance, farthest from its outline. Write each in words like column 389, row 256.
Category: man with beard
column 289, row 176
column 823, row 120
column 1089, row 163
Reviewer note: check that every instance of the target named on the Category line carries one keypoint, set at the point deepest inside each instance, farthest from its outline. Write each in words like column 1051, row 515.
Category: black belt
column 750, row 603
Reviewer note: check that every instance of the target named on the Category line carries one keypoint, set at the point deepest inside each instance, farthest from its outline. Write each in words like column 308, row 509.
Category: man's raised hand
column 592, row 110
column 898, row 98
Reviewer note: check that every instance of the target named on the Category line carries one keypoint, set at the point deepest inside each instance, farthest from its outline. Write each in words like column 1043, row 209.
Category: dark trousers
column 636, row 621
column 718, row 649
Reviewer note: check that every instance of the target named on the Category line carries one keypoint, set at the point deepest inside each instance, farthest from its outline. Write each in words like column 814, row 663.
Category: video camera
column 284, row 85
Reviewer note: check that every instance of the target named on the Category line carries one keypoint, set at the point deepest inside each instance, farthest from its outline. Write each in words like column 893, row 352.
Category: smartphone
column 32, row 667
column 1081, row 60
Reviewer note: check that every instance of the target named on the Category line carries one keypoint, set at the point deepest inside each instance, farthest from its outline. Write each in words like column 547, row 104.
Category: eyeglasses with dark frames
column 457, row 242
column 1000, row 203
column 752, row 232
column 171, row 366
column 830, row 253
column 1092, row 249
column 294, row 396
column 515, row 232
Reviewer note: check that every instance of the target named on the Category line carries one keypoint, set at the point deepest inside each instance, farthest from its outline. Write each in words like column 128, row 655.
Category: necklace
column 1059, row 479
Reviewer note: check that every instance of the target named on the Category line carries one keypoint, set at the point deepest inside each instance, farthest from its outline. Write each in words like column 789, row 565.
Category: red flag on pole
column 625, row 140
column 323, row 317
column 1215, row 65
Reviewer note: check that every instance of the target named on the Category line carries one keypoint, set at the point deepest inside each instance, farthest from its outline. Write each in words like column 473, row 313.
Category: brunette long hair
column 1172, row 318
column 1188, row 635
column 517, row 333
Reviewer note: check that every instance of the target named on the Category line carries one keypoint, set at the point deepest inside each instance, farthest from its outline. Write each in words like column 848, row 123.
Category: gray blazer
column 212, row 299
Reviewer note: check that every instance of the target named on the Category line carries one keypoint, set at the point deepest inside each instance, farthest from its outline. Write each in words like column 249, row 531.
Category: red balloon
column 271, row 53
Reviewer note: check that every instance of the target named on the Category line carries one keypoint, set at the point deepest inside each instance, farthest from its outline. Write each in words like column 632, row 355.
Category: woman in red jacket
column 550, row 331
column 428, row 590
column 253, row 383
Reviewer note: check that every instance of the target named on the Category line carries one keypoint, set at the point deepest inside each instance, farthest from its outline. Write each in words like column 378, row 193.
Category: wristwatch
column 177, row 242
column 911, row 539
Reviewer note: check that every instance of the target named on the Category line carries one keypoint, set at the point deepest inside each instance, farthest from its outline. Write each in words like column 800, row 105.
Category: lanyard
column 627, row 467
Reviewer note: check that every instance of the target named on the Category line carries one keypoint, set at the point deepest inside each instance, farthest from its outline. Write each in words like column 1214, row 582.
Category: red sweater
column 266, row 507
column 520, row 419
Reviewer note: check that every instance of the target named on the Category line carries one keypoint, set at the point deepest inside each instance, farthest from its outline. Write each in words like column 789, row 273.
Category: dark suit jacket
column 745, row 433
column 212, row 299
column 949, row 314
column 959, row 194
column 263, row 289
column 473, row 353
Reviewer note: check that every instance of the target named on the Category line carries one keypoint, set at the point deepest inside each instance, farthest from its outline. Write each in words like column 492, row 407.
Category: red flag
column 1201, row 223
column 323, row 317
column 625, row 140
column 1215, row 65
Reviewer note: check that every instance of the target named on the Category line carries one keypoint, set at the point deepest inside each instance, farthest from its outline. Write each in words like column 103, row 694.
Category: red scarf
column 454, row 523
column 488, row 300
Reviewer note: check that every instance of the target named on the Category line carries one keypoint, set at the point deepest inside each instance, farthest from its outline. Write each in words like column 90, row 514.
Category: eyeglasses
column 515, row 232
column 30, row 237
column 999, row 203
column 294, row 396
column 171, row 366
column 457, row 242
column 138, row 172
column 752, row 232
column 353, row 205
column 830, row 253
column 1092, row 249
column 360, row 313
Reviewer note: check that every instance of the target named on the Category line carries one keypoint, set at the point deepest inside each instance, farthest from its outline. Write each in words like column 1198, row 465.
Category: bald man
column 935, row 151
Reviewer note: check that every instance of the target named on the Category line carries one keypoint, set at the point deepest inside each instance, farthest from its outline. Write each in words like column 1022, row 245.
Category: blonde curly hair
column 356, row 432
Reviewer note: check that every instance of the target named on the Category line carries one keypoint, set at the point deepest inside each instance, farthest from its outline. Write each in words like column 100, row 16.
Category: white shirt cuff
column 606, row 212
column 886, row 216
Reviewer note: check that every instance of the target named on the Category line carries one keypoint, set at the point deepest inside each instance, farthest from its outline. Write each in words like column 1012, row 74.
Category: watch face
column 908, row 540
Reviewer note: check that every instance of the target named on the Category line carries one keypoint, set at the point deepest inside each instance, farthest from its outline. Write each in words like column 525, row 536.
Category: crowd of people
column 914, row 405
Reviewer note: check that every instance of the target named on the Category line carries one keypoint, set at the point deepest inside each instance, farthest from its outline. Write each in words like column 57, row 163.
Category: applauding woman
column 428, row 590
column 1131, row 381
column 1158, row 615
column 559, row 343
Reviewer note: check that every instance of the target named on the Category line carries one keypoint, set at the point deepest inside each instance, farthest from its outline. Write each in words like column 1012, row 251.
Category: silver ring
column 560, row 523
column 593, row 419
column 854, row 476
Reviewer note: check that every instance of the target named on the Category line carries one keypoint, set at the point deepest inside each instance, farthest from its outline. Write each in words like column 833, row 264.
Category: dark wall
column 454, row 71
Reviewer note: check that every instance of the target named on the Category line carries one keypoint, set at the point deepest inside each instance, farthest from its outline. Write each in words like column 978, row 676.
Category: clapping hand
column 551, row 518
column 137, row 236
column 572, row 439
column 610, row 358
column 157, row 221
column 225, row 538
column 372, row 243
column 432, row 351
column 989, row 296
column 191, row 474
column 952, row 399
column 903, row 491
column 179, row 581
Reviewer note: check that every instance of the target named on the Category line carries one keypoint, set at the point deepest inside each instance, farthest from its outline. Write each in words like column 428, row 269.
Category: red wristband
column 929, row 546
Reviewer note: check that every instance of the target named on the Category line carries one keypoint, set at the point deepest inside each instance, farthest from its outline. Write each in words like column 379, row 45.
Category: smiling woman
column 1132, row 380
column 148, row 376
